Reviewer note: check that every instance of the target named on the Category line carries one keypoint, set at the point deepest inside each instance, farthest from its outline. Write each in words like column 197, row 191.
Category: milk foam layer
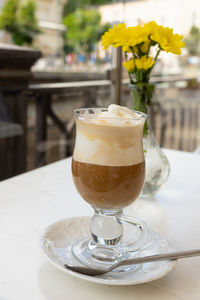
column 111, row 138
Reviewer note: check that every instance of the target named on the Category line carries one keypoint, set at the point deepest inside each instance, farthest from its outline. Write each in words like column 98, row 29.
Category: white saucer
column 56, row 244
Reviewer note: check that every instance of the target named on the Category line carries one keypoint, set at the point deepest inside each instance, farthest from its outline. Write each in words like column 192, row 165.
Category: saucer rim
column 99, row 280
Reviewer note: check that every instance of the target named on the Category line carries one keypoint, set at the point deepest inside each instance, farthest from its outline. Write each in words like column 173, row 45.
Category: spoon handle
column 163, row 256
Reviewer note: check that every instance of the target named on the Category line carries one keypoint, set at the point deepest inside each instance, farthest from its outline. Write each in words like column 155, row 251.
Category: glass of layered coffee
column 108, row 170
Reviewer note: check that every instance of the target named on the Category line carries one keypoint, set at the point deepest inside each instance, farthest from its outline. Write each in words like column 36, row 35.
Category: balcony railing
column 173, row 120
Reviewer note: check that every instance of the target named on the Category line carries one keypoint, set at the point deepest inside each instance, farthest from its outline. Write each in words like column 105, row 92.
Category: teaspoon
column 151, row 258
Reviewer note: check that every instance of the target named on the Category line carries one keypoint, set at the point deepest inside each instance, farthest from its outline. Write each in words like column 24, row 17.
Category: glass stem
column 106, row 228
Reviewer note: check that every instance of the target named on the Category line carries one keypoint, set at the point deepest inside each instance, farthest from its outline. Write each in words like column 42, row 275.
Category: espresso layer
column 108, row 187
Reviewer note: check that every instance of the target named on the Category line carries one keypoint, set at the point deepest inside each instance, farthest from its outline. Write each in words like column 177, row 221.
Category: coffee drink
column 108, row 187
column 108, row 162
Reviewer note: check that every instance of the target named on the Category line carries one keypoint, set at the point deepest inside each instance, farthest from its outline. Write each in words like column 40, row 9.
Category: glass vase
column 157, row 164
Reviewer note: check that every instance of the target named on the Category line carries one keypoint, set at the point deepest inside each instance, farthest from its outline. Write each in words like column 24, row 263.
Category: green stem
column 148, row 49
column 134, row 56
column 129, row 73
column 136, row 70
column 131, row 80
column 140, row 52
column 158, row 52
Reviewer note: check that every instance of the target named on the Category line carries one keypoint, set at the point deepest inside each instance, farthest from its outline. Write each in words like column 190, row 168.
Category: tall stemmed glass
column 108, row 170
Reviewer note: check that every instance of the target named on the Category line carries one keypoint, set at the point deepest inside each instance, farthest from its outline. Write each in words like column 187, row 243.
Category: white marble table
column 30, row 202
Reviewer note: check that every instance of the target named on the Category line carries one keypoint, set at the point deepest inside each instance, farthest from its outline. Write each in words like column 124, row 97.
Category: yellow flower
column 114, row 36
column 144, row 47
column 144, row 63
column 167, row 40
column 127, row 38
column 129, row 65
column 151, row 27
column 134, row 36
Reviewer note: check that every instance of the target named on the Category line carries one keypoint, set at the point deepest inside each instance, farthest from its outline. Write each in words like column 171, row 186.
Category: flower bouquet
column 141, row 46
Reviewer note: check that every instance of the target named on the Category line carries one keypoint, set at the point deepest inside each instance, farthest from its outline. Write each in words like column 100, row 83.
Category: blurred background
column 51, row 62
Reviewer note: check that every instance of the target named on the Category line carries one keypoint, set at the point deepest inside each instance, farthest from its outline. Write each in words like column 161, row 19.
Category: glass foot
column 92, row 254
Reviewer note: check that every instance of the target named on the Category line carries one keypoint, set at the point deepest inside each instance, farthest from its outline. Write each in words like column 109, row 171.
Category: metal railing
column 164, row 114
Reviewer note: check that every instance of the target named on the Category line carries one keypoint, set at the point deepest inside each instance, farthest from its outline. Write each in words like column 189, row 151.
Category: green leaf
column 150, row 88
column 84, row 29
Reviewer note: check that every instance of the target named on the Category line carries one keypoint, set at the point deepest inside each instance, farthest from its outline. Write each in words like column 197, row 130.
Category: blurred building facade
column 50, row 15
column 179, row 14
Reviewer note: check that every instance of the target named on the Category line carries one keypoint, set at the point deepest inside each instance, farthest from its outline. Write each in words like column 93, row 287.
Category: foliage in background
column 20, row 21
column 72, row 5
column 192, row 42
column 83, row 30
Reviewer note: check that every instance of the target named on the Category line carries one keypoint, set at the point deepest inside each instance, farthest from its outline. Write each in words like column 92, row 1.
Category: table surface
column 32, row 201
